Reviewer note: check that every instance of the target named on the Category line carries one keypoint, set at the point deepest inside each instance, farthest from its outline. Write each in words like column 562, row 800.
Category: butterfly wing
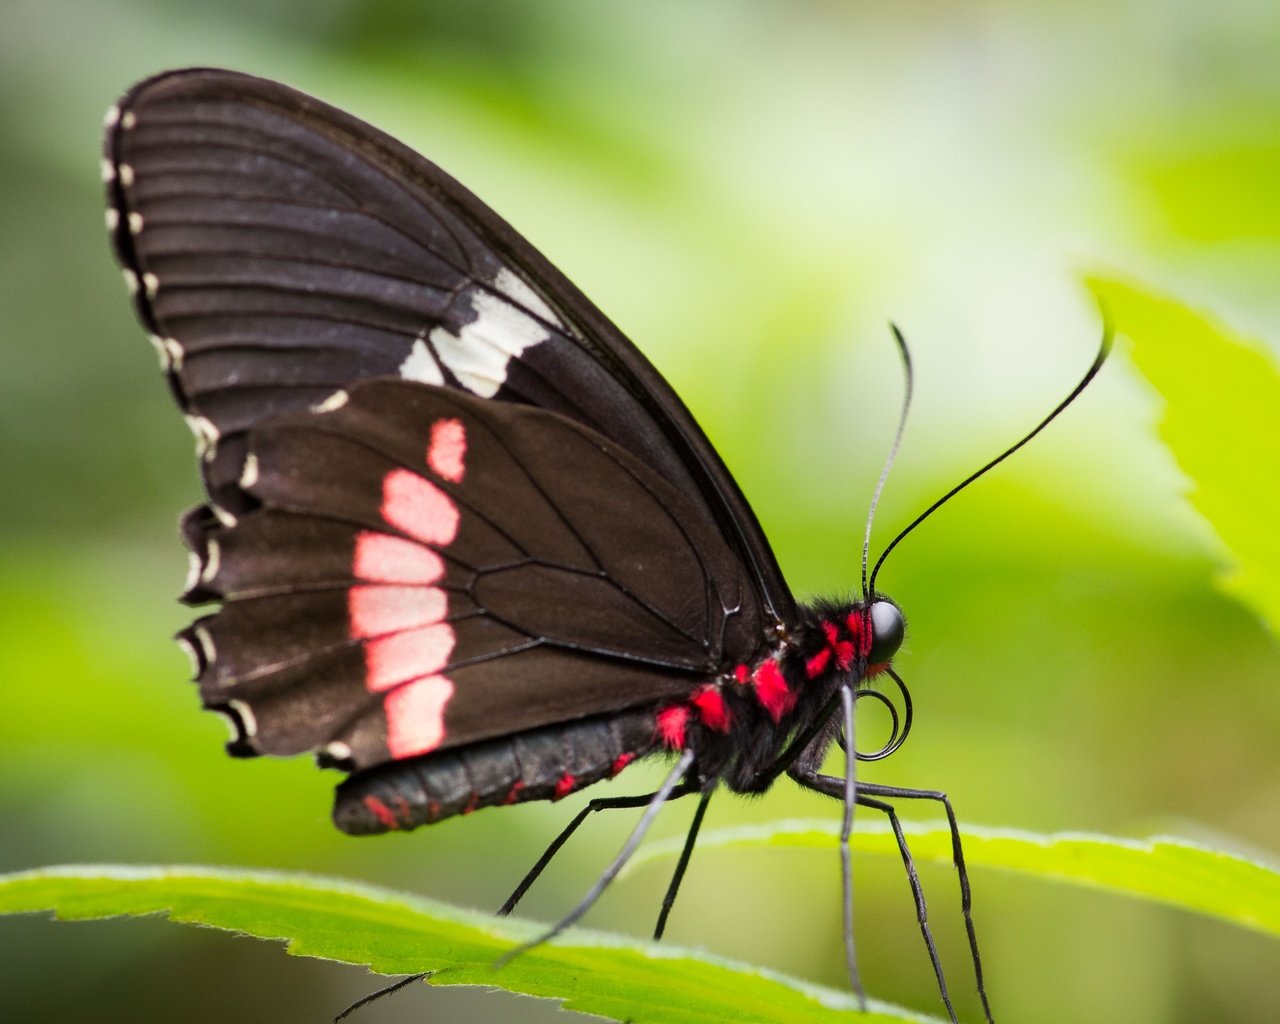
column 425, row 569
column 280, row 249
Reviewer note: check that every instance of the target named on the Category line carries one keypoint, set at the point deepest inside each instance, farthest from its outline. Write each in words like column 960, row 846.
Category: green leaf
column 1162, row 869
column 396, row 934
column 1222, row 424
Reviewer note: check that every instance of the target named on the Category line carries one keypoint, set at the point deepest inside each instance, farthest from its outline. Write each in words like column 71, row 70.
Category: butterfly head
column 847, row 645
column 860, row 636
column 888, row 628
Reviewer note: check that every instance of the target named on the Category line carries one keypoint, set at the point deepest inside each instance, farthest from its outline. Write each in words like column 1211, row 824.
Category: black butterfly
column 469, row 546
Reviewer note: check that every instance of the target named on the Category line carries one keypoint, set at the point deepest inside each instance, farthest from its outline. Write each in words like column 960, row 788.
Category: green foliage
column 1164, row 869
column 605, row 975
column 1221, row 421
column 396, row 934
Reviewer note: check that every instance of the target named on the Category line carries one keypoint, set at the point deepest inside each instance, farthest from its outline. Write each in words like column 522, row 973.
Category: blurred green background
column 751, row 191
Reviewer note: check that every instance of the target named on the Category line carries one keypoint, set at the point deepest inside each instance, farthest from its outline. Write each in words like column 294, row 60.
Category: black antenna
column 1103, row 350
column 893, row 448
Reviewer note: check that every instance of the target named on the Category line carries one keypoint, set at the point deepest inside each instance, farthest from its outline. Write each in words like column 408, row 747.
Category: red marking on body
column 418, row 507
column 407, row 655
column 621, row 762
column 816, row 665
column 472, row 805
column 861, row 628
column 415, row 715
column 841, row 650
column 741, row 673
column 513, row 794
column 672, row 721
column 772, row 691
column 377, row 610
column 564, row 786
column 712, row 709
column 405, row 810
column 381, row 558
column 380, row 811
column 448, row 449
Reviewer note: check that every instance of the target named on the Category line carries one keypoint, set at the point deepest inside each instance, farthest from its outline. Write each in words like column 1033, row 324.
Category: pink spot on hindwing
column 447, row 450
column 378, row 610
column 381, row 558
column 400, row 617
column 415, row 715
column 416, row 506
column 408, row 655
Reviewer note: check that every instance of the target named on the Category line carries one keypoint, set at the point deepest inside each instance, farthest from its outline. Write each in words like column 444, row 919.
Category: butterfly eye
column 887, row 630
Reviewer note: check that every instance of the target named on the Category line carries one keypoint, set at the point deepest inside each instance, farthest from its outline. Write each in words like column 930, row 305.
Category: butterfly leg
column 381, row 993
column 610, row 803
column 957, row 859
column 668, row 900
column 675, row 785
column 830, row 785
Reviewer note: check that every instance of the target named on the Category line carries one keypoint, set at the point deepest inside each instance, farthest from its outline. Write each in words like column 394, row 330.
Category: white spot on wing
column 334, row 402
column 189, row 649
column 206, row 435
column 129, row 120
column 517, row 289
column 223, row 516
column 421, row 365
column 249, row 475
column 478, row 355
column 213, row 563
column 126, row 175
column 108, row 170
column 135, row 223
column 152, row 284
column 111, row 117
column 157, row 343
column 247, row 720
column 175, row 352
column 130, row 281
column 113, row 218
column 193, row 577
column 203, row 638
column 337, row 751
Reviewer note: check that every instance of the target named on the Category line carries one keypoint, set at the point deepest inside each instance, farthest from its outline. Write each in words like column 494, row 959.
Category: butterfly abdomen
column 736, row 723
column 540, row 764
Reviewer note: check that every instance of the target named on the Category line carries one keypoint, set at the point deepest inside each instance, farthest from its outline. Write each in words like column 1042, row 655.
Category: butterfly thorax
column 741, row 722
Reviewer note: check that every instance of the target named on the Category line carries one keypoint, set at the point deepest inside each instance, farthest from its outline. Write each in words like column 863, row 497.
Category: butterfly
column 466, row 544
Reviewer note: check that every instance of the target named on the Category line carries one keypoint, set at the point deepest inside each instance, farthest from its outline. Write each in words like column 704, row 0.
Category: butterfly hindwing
column 425, row 569
column 280, row 249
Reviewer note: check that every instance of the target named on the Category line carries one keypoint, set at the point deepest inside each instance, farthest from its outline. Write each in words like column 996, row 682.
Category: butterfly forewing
column 425, row 569
column 280, row 249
